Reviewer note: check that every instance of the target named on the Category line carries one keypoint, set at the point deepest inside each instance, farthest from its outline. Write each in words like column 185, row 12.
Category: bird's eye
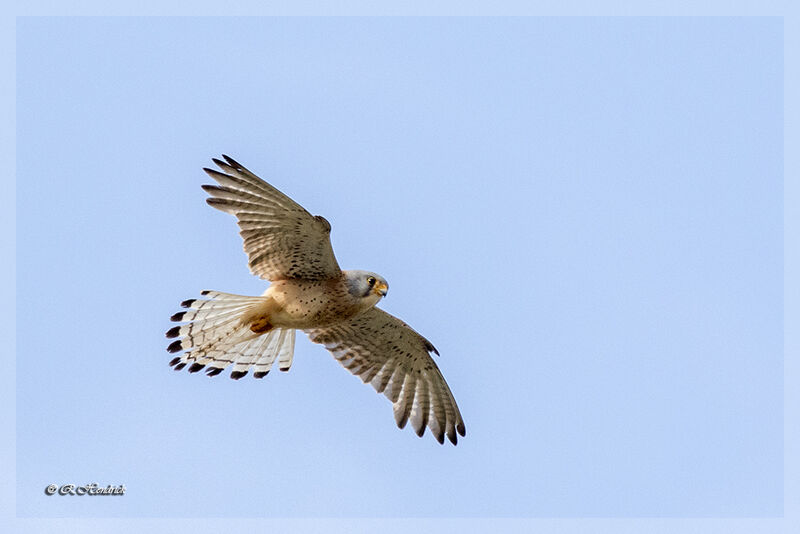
column 371, row 281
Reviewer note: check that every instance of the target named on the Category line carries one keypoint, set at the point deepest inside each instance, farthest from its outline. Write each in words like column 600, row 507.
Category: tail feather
column 203, row 314
column 285, row 356
column 216, row 335
column 197, row 331
column 277, row 344
column 213, row 336
column 249, row 353
column 224, row 299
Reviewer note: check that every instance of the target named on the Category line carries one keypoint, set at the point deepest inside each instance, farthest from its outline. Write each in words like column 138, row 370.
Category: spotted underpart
column 291, row 248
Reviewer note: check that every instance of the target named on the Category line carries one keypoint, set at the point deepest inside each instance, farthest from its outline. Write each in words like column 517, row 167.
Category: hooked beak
column 381, row 289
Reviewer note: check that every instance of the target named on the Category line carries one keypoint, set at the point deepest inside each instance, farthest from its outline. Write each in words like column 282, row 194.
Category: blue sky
column 584, row 215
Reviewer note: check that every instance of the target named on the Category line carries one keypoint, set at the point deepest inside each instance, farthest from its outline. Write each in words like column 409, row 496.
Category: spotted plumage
column 291, row 248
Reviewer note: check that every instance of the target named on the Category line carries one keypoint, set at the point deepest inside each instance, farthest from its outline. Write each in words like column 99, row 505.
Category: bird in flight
column 291, row 248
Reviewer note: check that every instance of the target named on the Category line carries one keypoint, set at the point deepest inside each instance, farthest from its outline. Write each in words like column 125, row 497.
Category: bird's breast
column 310, row 303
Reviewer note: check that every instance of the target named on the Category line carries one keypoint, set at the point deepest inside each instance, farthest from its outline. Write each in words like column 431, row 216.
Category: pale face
column 377, row 285
column 367, row 286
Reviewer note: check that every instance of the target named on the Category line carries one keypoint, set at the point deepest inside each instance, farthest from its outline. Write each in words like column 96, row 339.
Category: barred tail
column 214, row 337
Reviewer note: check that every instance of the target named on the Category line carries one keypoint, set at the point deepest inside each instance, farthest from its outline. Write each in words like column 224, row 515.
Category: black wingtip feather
column 440, row 438
column 174, row 361
column 420, row 432
column 232, row 162
column 213, row 371
column 180, row 366
column 173, row 332
column 236, row 375
column 453, row 438
column 221, row 164
column 205, row 292
column 213, row 172
column 187, row 303
column 178, row 317
column 461, row 429
column 403, row 421
column 430, row 348
column 196, row 367
column 175, row 346
column 261, row 374
column 218, row 203
column 209, row 188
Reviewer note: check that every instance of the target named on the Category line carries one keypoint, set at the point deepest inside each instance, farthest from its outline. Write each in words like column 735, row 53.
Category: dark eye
column 371, row 281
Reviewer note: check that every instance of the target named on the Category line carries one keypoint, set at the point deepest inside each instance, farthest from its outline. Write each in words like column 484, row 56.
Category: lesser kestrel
column 291, row 248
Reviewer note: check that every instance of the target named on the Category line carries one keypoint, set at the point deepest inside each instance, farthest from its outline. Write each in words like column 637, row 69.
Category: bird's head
column 369, row 287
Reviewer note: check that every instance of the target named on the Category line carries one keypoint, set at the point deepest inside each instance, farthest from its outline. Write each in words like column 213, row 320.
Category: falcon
column 291, row 248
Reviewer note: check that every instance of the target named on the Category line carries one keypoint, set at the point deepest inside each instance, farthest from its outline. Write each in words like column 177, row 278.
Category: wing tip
column 401, row 423
column 429, row 347
column 452, row 437
column 232, row 162
column 221, row 204
column 214, row 173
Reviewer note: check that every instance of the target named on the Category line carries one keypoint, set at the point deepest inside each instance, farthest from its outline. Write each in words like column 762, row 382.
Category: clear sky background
column 585, row 216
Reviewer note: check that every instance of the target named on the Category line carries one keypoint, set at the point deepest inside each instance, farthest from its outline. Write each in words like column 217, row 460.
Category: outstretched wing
column 384, row 351
column 282, row 240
